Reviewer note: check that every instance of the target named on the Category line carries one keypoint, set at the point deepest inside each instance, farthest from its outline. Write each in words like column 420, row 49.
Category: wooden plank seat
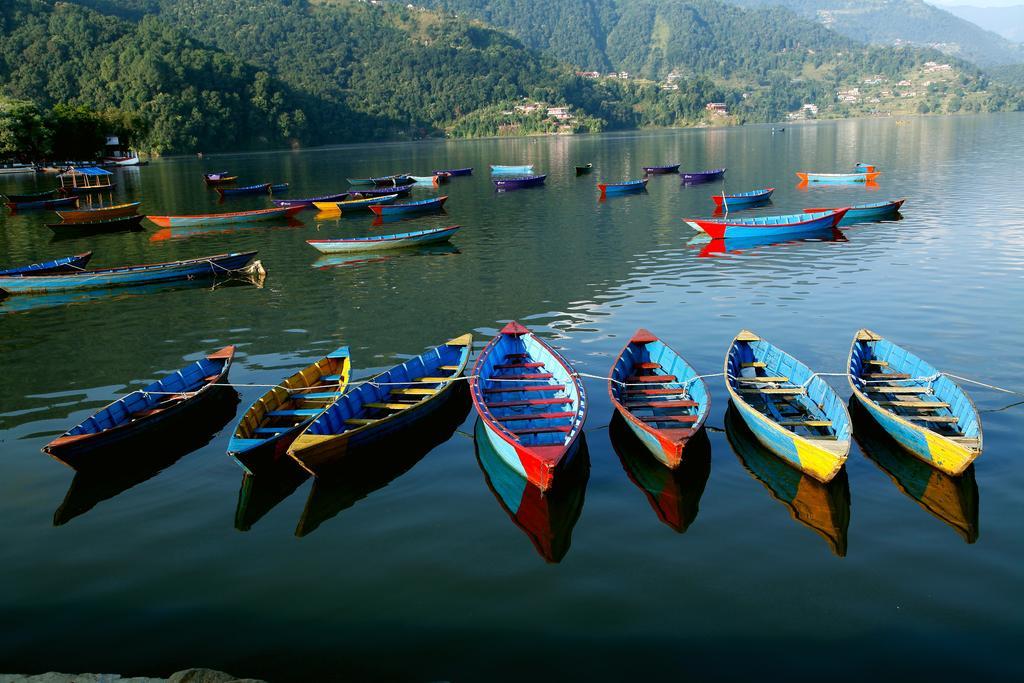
column 660, row 379
column 780, row 391
column 768, row 379
column 946, row 419
column 898, row 390
column 316, row 396
column 822, row 437
column 537, row 387
column 919, row 405
column 559, row 400
column 361, row 421
column 302, row 412
column 965, row 440
column 668, row 418
column 648, row 366
column 414, row 391
column 661, row 404
column 805, row 423
column 535, row 375
column 879, row 363
column 543, row 430
column 755, row 364
column 657, row 392
column 885, row 375
column 431, row 380
column 534, row 416
column 450, row 368
column 270, row 431
column 389, row 406
column 330, row 378
column 518, row 366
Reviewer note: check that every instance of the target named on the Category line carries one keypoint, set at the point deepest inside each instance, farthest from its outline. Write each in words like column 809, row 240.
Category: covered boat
column 99, row 213
column 85, row 180
column 838, row 178
column 791, row 410
column 742, row 200
column 225, row 218
column 163, row 405
column 355, row 204
column 623, row 187
column 455, row 171
column 531, row 402
column 67, row 264
column 310, row 201
column 774, row 227
column 380, row 242
column 698, row 177
column 43, row 204
column 525, row 169
column 661, row 170
column 422, row 206
column 119, row 224
column 257, row 188
column 867, row 213
column 661, row 397
column 925, row 411
column 517, row 182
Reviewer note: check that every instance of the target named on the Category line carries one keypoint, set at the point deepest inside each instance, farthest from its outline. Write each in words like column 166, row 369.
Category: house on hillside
column 716, row 108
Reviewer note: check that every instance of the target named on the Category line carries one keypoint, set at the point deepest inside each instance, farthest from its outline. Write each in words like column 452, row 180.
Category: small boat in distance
column 280, row 188
column 354, row 204
column 742, row 200
column 224, row 218
column 100, row 213
column 381, row 242
column 864, row 168
column 623, row 187
column 661, row 170
column 525, row 169
column 310, row 201
column 838, row 178
column 422, row 206
column 584, row 170
column 698, row 177
column 455, row 171
column 66, row 264
column 258, row 188
column 219, row 178
column 518, row 182
column 399, row 190
column 868, row 213
column 31, row 196
column 781, row 227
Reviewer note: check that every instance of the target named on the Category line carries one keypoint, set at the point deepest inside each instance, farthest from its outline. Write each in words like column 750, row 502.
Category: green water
column 412, row 569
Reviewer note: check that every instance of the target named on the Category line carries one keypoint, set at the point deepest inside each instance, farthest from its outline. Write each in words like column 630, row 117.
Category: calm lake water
column 412, row 568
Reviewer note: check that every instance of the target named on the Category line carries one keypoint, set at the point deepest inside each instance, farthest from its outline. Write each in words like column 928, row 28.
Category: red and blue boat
column 742, row 200
column 67, row 264
column 258, row 188
column 43, row 203
column 422, row 206
column 623, row 187
column 453, row 172
column 519, row 182
column 661, row 170
column 781, row 227
column 868, row 213
column 698, row 177
column 532, row 404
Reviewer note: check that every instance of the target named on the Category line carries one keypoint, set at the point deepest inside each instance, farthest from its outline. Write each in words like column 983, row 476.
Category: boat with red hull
column 768, row 226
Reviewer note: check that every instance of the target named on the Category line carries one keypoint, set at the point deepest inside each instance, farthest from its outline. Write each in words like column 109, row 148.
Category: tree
column 23, row 134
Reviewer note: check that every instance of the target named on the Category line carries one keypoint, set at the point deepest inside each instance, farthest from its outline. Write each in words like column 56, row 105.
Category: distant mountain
column 1006, row 21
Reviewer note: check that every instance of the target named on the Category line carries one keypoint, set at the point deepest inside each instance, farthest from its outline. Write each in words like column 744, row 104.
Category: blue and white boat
column 623, row 187
column 511, row 170
column 742, row 200
column 868, row 213
column 381, row 242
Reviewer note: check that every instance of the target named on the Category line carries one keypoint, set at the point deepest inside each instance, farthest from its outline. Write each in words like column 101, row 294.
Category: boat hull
column 796, row 225
column 880, row 211
column 838, row 178
column 425, row 206
column 661, row 170
column 120, row 224
column 518, row 183
column 310, row 201
column 742, row 201
column 355, row 204
column 698, row 177
column 623, row 188
column 225, row 218
column 91, row 215
column 455, row 171
column 43, row 204
column 409, row 239
column 261, row 188
column 528, row 168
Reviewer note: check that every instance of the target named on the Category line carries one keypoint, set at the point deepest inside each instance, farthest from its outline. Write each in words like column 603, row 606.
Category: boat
column 100, row 213
column 189, row 269
column 381, row 181
column 838, row 178
column 258, row 188
column 12, row 169
column 661, row 170
column 271, row 423
column 219, row 178
column 585, row 169
column 737, row 245
column 698, row 177
column 380, row 242
column 422, row 206
column 864, row 168
column 624, row 187
column 924, row 410
column 822, row 508
column 77, row 228
column 868, row 213
column 531, row 402
column 399, row 190
column 130, row 159
column 165, row 403
column 517, row 182
column 775, row 227
column 354, row 204
column 791, row 410
column 85, row 180
column 455, row 172
column 661, row 397
column 673, row 494
column 391, row 402
column 526, row 169
column 311, row 201
column 31, row 196
column 66, row 264
column 224, row 218
column 546, row 517
column 279, row 187
column 43, row 204
column 426, row 179
column 742, row 200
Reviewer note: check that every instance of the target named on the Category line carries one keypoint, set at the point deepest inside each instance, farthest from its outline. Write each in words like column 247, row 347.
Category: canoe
column 792, row 411
column 742, row 200
column 310, row 201
column 162, row 405
column 279, row 187
column 381, row 181
column 190, row 269
column 224, row 218
column 66, row 264
column 661, row 170
column 624, row 187
column 119, row 224
column 525, row 169
column 531, row 402
column 584, row 170
column 455, row 171
column 271, row 423
column 793, row 225
column 547, row 518
column 219, row 178
column 661, row 397
column 395, row 400
column 837, row 178
column 43, row 204
column 422, row 206
column 399, row 190
column 924, row 410
column 698, row 177
column 258, row 188
column 101, row 213
column 380, row 242
column 867, row 213
column 353, row 204
column 426, row 179
column 31, row 196
column 515, row 183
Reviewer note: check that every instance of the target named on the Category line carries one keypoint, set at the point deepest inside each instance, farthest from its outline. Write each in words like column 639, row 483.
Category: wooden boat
column 497, row 169
column 518, row 182
column 661, row 170
column 822, row 508
column 66, row 264
column 546, row 517
column 867, row 213
column 160, row 404
column 311, row 201
column 422, row 206
column 225, row 218
column 43, row 204
column 258, row 188
column 698, row 177
column 31, row 196
column 792, row 411
column 355, row 204
column 454, row 172
column 279, row 188
column 85, row 181
column 531, row 402
column 123, row 276
column 432, row 180
column 395, row 400
column 742, row 200
column 864, row 168
column 773, row 227
column 219, row 178
column 101, row 213
column 838, row 178
column 661, row 397
column 624, row 187
column 119, row 224
column 584, row 170
column 271, row 423
column 380, row 242
column 925, row 411
column 381, row 181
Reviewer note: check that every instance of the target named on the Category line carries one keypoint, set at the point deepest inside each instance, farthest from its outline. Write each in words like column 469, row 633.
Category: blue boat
column 698, row 177
column 399, row 190
column 623, row 187
column 310, row 201
column 517, row 182
column 161, row 405
column 742, row 200
column 791, row 410
column 774, row 227
column 512, row 170
column 455, row 171
column 259, row 188
column 43, row 204
column 868, row 213
column 422, row 206
column 382, row 242
column 395, row 400
column 279, row 187
column 67, row 264
column 924, row 410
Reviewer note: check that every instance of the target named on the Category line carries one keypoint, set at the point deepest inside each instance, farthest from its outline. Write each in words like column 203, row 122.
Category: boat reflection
column 674, row 495
column 823, row 508
column 353, row 479
column 406, row 218
column 121, row 471
column 177, row 233
column 264, row 488
column 349, row 260
column 720, row 247
column 546, row 518
column 953, row 500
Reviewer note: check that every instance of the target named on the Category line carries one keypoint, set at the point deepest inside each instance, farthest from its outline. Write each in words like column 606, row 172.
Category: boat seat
column 755, row 364
column 657, row 392
column 660, row 379
column 886, row 375
column 561, row 400
column 388, row 406
column 805, row 423
column 946, row 419
column 821, row 437
column 414, row 392
column 661, row 404
column 517, row 355
column 432, row 380
column 540, row 387
column 294, row 413
column 361, row 421
column 514, row 366
column 270, row 431
column 320, row 396
column 330, row 378
column 450, row 368
column 899, row 390
column 543, row 430
column 210, row 378
column 879, row 363
column 668, row 418
column 534, row 416
column 920, row 405
column 536, row 375
column 648, row 366
column 782, row 391
column 769, row 378
column 964, row 440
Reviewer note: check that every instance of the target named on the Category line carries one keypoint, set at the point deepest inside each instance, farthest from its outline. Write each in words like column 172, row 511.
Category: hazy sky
column 977, row 3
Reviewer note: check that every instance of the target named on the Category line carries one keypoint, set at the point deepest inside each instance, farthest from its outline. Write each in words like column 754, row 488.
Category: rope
column 982, row 384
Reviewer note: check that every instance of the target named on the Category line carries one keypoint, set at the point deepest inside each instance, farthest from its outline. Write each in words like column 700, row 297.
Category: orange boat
column 100, row 214
column 223, row 218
